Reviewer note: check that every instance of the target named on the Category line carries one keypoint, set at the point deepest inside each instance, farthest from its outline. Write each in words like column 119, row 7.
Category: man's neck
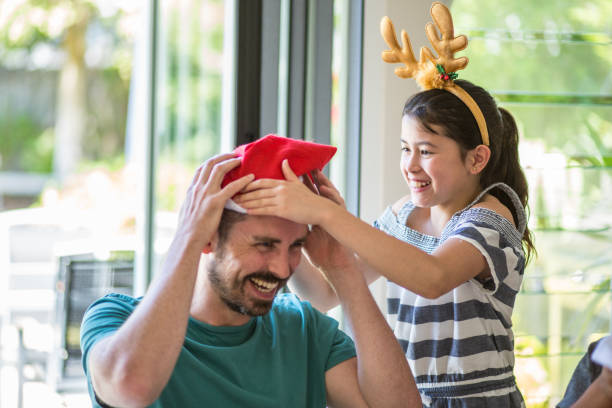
column 207, row 306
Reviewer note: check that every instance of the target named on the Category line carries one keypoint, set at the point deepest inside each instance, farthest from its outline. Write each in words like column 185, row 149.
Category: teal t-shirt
column 276, row 360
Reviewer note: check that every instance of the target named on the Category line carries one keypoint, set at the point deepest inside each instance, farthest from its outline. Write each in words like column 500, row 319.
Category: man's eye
column 265, row 245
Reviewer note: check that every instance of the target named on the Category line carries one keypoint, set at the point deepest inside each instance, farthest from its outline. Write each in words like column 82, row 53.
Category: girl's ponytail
column 505, row 167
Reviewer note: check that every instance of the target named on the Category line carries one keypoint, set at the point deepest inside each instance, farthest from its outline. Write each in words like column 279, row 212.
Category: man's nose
column 281, row 266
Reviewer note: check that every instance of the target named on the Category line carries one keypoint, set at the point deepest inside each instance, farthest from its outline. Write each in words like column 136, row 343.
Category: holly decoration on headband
column 443, row 75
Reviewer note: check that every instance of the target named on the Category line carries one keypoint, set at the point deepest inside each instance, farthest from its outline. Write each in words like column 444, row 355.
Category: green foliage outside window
column 25, row 146
column 188, row 106
column 549, row 63
column 49, row 48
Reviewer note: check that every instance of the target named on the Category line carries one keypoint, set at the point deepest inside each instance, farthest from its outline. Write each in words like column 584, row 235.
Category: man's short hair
column 228, row 219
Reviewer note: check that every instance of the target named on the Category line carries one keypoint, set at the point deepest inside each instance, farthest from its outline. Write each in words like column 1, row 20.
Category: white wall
column 384, row 95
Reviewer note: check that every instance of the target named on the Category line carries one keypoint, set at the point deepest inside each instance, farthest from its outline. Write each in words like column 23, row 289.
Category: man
column 220, row 336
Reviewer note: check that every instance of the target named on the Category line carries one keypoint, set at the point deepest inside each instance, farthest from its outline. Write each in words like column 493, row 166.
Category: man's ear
column 478, row 158
column 212, row 244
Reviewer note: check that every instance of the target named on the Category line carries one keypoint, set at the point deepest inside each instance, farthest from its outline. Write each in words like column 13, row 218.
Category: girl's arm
column 308, row 281
column 452, row 264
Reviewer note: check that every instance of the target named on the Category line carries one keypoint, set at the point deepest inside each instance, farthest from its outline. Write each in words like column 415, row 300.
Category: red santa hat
column 264, row 158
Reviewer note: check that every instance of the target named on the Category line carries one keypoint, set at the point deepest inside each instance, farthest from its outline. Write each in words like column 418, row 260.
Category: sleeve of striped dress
column 500, row 244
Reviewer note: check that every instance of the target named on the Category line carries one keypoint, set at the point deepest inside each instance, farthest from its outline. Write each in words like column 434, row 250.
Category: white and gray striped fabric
column 460, row 346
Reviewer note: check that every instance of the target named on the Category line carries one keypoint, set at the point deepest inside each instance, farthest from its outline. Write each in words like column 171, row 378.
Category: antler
column 445, row 45
column 397, row 54
column 440, row 73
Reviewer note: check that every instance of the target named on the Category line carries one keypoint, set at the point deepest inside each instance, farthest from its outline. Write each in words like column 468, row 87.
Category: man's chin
column 258, row 309
column 253, row 309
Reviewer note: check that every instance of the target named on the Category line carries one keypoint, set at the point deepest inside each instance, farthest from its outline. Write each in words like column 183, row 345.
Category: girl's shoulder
column 399, row 204
column 487, row 204
column 491, row 203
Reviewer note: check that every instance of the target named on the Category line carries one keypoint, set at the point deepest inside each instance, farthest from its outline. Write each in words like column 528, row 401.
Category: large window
column 66, row 186
column 549, row 64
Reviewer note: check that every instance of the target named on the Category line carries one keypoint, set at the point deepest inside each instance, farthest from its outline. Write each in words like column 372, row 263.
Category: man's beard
column 232, row 293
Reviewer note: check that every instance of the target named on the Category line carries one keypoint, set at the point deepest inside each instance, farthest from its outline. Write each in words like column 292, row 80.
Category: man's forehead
column 271, row 227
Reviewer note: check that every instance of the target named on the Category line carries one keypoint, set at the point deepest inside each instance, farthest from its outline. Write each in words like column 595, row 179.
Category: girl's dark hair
column 441, row 108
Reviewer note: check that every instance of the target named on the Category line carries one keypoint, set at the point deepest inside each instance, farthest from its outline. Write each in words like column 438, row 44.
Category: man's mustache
column 266, row 276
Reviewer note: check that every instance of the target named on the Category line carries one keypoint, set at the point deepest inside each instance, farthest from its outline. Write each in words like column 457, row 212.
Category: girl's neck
column 440, row 215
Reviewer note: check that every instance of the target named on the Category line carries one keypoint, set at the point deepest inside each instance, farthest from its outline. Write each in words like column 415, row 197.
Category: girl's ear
column 478, row 158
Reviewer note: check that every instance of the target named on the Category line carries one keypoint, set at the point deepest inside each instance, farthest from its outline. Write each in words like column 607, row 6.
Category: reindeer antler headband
column 430, row 72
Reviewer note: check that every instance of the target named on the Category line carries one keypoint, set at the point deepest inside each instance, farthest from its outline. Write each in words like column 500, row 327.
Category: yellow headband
column 430, row 72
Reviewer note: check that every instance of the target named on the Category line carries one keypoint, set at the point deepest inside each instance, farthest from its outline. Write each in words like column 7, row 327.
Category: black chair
column 80, row 282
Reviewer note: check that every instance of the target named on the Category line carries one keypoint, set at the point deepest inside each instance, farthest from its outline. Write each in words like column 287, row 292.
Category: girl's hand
column 290, row 198
column 326, row 188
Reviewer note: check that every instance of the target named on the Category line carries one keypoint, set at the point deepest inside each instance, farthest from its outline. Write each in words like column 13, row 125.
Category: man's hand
column 201, row 211
column 327, row 254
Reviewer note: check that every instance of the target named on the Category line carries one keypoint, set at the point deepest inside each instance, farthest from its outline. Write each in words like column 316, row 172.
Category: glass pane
column 339, row 90
column 188, row 108
column 574, row 199
column 523, row 15
column 564, row 135
column 549, row 64
column 538, row 66
column 542, row 379
column 67, row 189
column 563, row 306
column 565, row 300
column 556, row 47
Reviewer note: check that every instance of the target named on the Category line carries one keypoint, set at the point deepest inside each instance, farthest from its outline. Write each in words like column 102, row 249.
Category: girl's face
column 433, row 168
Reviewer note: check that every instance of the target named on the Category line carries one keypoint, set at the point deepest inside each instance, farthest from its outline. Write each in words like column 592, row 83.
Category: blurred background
column 107, row 107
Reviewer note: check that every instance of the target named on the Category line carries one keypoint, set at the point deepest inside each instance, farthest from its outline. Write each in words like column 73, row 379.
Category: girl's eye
column 425, row 152
column 405, row 149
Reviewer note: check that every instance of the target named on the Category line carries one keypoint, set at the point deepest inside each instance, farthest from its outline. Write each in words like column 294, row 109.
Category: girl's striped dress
column 460, row 346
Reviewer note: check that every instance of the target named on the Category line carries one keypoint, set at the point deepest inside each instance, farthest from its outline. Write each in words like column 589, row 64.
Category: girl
column 453, row 251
